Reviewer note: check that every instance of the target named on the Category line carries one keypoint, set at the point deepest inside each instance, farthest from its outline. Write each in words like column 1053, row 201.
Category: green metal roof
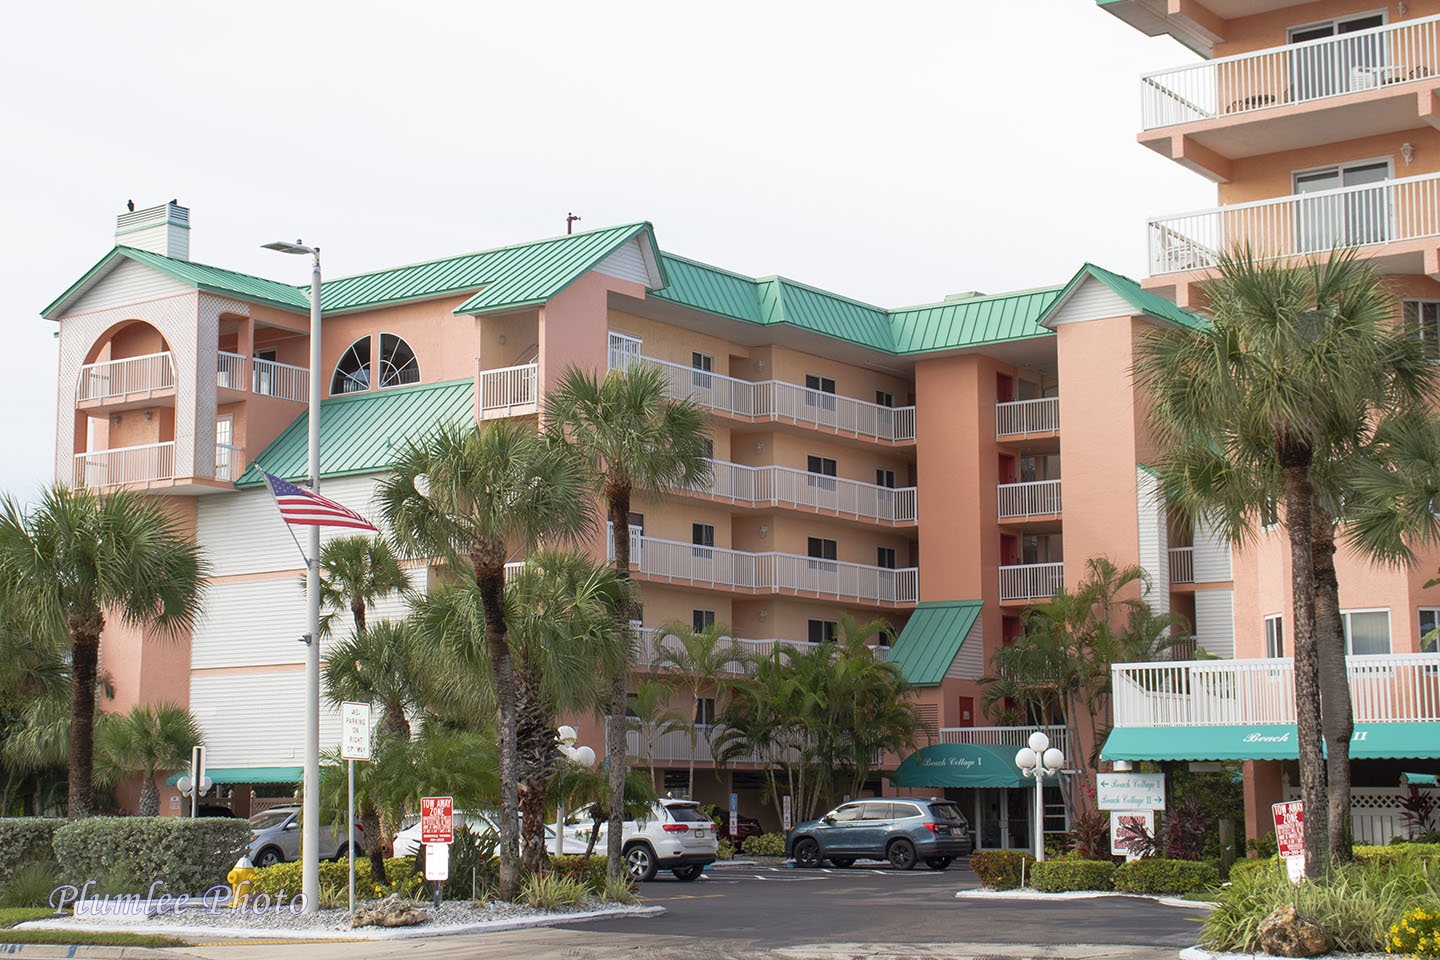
column 972, row 321
column 931, row 638
column 358, row 432
column 203, row 277
column 1138, row 297
column 1277, row 741
column 247, row 775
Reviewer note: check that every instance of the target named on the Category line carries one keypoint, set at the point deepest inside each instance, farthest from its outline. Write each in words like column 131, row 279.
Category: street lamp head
column 566, row 734
column 1026, row 759
column 1039, row 742
column 285, row 247
column 1053, row 759
column 585, row 756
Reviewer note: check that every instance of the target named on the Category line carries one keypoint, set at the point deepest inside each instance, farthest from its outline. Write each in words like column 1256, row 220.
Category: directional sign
column 355, row 735
column 436, row 819
column 1130, row 791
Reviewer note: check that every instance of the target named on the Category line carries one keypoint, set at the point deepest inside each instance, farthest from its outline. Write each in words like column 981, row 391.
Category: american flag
column 306, row 508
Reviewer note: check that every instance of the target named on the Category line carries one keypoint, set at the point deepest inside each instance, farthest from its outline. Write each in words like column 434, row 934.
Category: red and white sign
column 437, row 819
column 354, row 731
column 1290, row 827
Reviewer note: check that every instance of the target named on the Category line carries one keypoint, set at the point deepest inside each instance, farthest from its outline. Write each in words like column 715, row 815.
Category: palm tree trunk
column 536, row 749
column 618, row 501
column 374, row 842
column 149, row 805
column 490, row 578
column 85, row 666
column 1336, row 714
column 1299, row 495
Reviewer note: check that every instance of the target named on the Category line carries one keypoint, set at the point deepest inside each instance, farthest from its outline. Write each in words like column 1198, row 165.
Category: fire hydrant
column 241, row 878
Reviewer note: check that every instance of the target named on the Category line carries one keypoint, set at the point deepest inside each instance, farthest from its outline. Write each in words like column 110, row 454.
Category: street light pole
column 310, row 810
column 1039, row 760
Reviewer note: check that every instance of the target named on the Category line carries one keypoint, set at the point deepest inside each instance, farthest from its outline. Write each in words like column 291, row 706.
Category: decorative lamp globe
column 584, row 756
column 1053, row 759
column 1039, row 743
column 566, row 734
column 1026, row 759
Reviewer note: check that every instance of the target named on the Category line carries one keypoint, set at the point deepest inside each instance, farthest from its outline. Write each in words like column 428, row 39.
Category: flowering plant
column 1416, row 934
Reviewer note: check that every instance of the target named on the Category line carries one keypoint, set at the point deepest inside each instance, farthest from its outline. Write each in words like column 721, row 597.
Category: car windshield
column 687, row 813
column 270, row 818
column 946, row 811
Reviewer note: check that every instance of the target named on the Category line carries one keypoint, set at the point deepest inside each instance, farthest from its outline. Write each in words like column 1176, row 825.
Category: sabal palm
column 484, row 494
column 355, row 573
column 700, row 661
column 633, row 440
column 76, row 556
column 1297, row 366
column 149, row 740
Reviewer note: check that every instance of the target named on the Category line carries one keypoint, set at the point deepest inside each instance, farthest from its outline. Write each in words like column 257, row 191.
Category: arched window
column 397, row 362
column 397, row 366
column 352, row 373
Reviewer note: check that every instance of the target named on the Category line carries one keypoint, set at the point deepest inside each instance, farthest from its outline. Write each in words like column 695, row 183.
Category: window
column 1429, row 627
column 705, row 711
column 1342, row 66
column 822, row 470
column 885, row 558
column 703, row 536
column 703, row 365
column 352, row 373
column 1422, row 320
column 884, row 399
column 677, row 782
column 700, row 619
column 1270, row 513
column 397, row 367
column 885, row 478
column 820, row 550
column 707, row 448
column 847, row 812
column 1367, row 632
column 816, row 388
column 823, row 631
column 879, row 810
column 1275, row 636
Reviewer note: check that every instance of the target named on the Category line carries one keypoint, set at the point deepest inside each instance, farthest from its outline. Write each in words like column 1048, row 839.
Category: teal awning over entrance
column 1418, row 779
column 1371, row 741
column 247, row 775
column 960, row 765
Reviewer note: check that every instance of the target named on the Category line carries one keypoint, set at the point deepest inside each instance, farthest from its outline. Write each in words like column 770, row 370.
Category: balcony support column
column 1200, row 159
column 1428, row 107
column 1264, row 786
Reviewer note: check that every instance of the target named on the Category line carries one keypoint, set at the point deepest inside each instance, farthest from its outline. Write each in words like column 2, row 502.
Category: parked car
column 275, row 838
column 677, row 835
column 905, row 832
column 744, row 827
column 407, row 841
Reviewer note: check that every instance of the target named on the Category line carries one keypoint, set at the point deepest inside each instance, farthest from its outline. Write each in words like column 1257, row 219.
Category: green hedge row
column 1156, row 876
column 764, row 845
column 1000, row 869
column 185, row 855
column 26, row 840
column 333, row 873
column 1061, row 876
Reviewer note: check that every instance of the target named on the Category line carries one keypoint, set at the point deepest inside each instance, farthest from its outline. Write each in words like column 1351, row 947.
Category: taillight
column 675, row 828
column 933, row 827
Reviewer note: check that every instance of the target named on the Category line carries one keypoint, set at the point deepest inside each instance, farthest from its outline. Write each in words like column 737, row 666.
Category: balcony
column 509, row 391
column 1182, row 565
column 1363, row 83
column 1023, row 418
column 1031, row 581
column 772, row 486
column 1016, row 737
column 268, row 379
column 671, row 561
column 130, row 379
column 125, row 466
column 1032, row 498
column 229, row 462
column 653, row 645
column 773, row 400
column 1397, row 214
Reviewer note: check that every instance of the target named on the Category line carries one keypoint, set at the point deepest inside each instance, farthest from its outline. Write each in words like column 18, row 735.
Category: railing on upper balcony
column 228, row 461
column 771, row 399
column 1295, row 73
column 1031, row 581
column 1016, row 501
column 669, row 746
column 229, row 370
column 1182, row 564
column 786, row 486
column 769, row 572
column 112, row 468
column 281, row 380
column 121, row 378
column 1020, row 417
column 1224, row 692
column 1309, row 223
column 509, row 390
column 653, row 646
column 1016, row 737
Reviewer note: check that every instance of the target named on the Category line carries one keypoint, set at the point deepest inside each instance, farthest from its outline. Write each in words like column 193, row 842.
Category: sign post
column 735, row 818
column 437, row 819
column 785, row 815
column 1290, row 835
column 354, row 745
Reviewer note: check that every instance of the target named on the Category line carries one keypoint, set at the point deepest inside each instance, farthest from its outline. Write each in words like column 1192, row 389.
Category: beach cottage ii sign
column 1130, row 791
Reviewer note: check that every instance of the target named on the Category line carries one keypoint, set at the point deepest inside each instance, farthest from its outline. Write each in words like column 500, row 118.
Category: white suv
column 677, row 836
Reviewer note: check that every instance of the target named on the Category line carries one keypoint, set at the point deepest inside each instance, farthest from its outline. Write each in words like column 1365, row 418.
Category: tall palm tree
column 355, row 573
column 578, row 786
column 634, row 441
column 76, row 557
column 1297, row 365
column 473, row 497
column 149, row 740
column 868, row 704
column 698, row 662
column 647, row 712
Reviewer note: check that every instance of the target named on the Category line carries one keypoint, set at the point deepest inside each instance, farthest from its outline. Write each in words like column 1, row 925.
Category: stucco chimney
column 164, row 230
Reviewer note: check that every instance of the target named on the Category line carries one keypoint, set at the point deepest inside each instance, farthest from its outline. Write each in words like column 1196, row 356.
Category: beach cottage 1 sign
column 1130, row 791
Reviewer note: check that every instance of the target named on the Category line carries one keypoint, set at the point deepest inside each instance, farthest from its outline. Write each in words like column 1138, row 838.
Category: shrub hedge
column 1154, row 875
column 185, row 855
column 1000, row 869
column 1060, row 876
column 1397, row 851
column 1245, row 869
column 26, row 840
column 589, row 872
column 334, row 873
column 764, row 845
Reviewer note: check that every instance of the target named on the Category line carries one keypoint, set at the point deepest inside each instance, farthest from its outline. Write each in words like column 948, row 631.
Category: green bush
column 26, row 840
column 725, row 850
column 1417, row 933
column 589, row 872
column 1000, row 869
column 286, row 877
column 1242, row 869
column 185, row 855
column 1061, row 876
column 1154, row 875
column 1397, row 851
column 764, row 845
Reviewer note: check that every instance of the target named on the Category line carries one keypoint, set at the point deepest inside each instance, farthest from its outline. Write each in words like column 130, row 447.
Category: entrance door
column 1007, row 468
column 1359, row 216
column 990, row 824
column 225, row 465
column 1004, row 388
column 1325, row 69
column 1018, row 805
column 967, row 712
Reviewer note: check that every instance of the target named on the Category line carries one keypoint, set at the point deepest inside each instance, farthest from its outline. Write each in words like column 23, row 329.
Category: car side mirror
column 292, row 825
column 828, row 818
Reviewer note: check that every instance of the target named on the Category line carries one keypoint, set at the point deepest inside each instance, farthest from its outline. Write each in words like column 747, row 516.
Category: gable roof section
column 931, row 638
column 1144, row 302
column 358, row 433
column 972, row 321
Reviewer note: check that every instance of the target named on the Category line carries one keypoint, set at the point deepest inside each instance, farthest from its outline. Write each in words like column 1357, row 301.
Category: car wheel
column 807, row 852
column 901, row 855
column 938, row 863
column 689, row 873
column 269, row 857
column 640, row 861
column 843, row 862
column 343, row 853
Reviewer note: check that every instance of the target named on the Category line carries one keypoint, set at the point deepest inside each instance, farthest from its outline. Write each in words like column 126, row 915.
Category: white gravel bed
column 1029, row 893
column 1199, row 953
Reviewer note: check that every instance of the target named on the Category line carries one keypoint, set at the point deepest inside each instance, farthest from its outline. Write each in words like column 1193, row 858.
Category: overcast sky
column 891, row 156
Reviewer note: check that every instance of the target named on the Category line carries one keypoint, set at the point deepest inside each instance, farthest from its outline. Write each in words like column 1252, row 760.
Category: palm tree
column 700, row 661
column 34, row 695
column 472, row 497
column 355, row 573
column 647, row 713
column 1297, row 365
column 633, row 440
column 578, row 786
column 149, row 740
column 76, row 557
column 868, row 704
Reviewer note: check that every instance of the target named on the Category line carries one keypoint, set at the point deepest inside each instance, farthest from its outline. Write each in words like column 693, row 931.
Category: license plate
column 941, row 828
column 700, row 834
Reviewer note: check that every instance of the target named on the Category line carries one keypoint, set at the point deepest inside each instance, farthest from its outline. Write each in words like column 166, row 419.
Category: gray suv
column 902, row 831
column 275, row 838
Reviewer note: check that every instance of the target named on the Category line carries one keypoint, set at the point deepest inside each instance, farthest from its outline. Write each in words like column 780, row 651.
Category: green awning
column 931, row 638
column 1418, row 779
column 960, row 765
column 247, row 775
column 1371, row 741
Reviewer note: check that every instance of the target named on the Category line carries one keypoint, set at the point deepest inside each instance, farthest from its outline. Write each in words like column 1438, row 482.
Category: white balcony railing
column 1031, row 498
column 229, row 370
column 1016, row 737
column 1182, row 564
column 1031, row 581
column 281, row 380
column 122, row 465
column 653, row 646
column 784, row 573
column 127, row 377
column 229, row 461
column 1224, row 692
column 1020, row 417
column 1295, row 73
column 772, row 399
column 786, row 486
column 1309, row 223
column 509, row 390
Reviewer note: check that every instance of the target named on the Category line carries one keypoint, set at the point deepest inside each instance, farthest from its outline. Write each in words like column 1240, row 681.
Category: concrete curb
column 1026, row 893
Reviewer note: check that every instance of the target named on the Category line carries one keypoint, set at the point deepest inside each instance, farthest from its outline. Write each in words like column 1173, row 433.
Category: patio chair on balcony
column 1252, row 102
column 1176, row 253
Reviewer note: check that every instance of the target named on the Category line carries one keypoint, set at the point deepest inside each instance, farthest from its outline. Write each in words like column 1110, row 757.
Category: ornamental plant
column 1417, row 933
